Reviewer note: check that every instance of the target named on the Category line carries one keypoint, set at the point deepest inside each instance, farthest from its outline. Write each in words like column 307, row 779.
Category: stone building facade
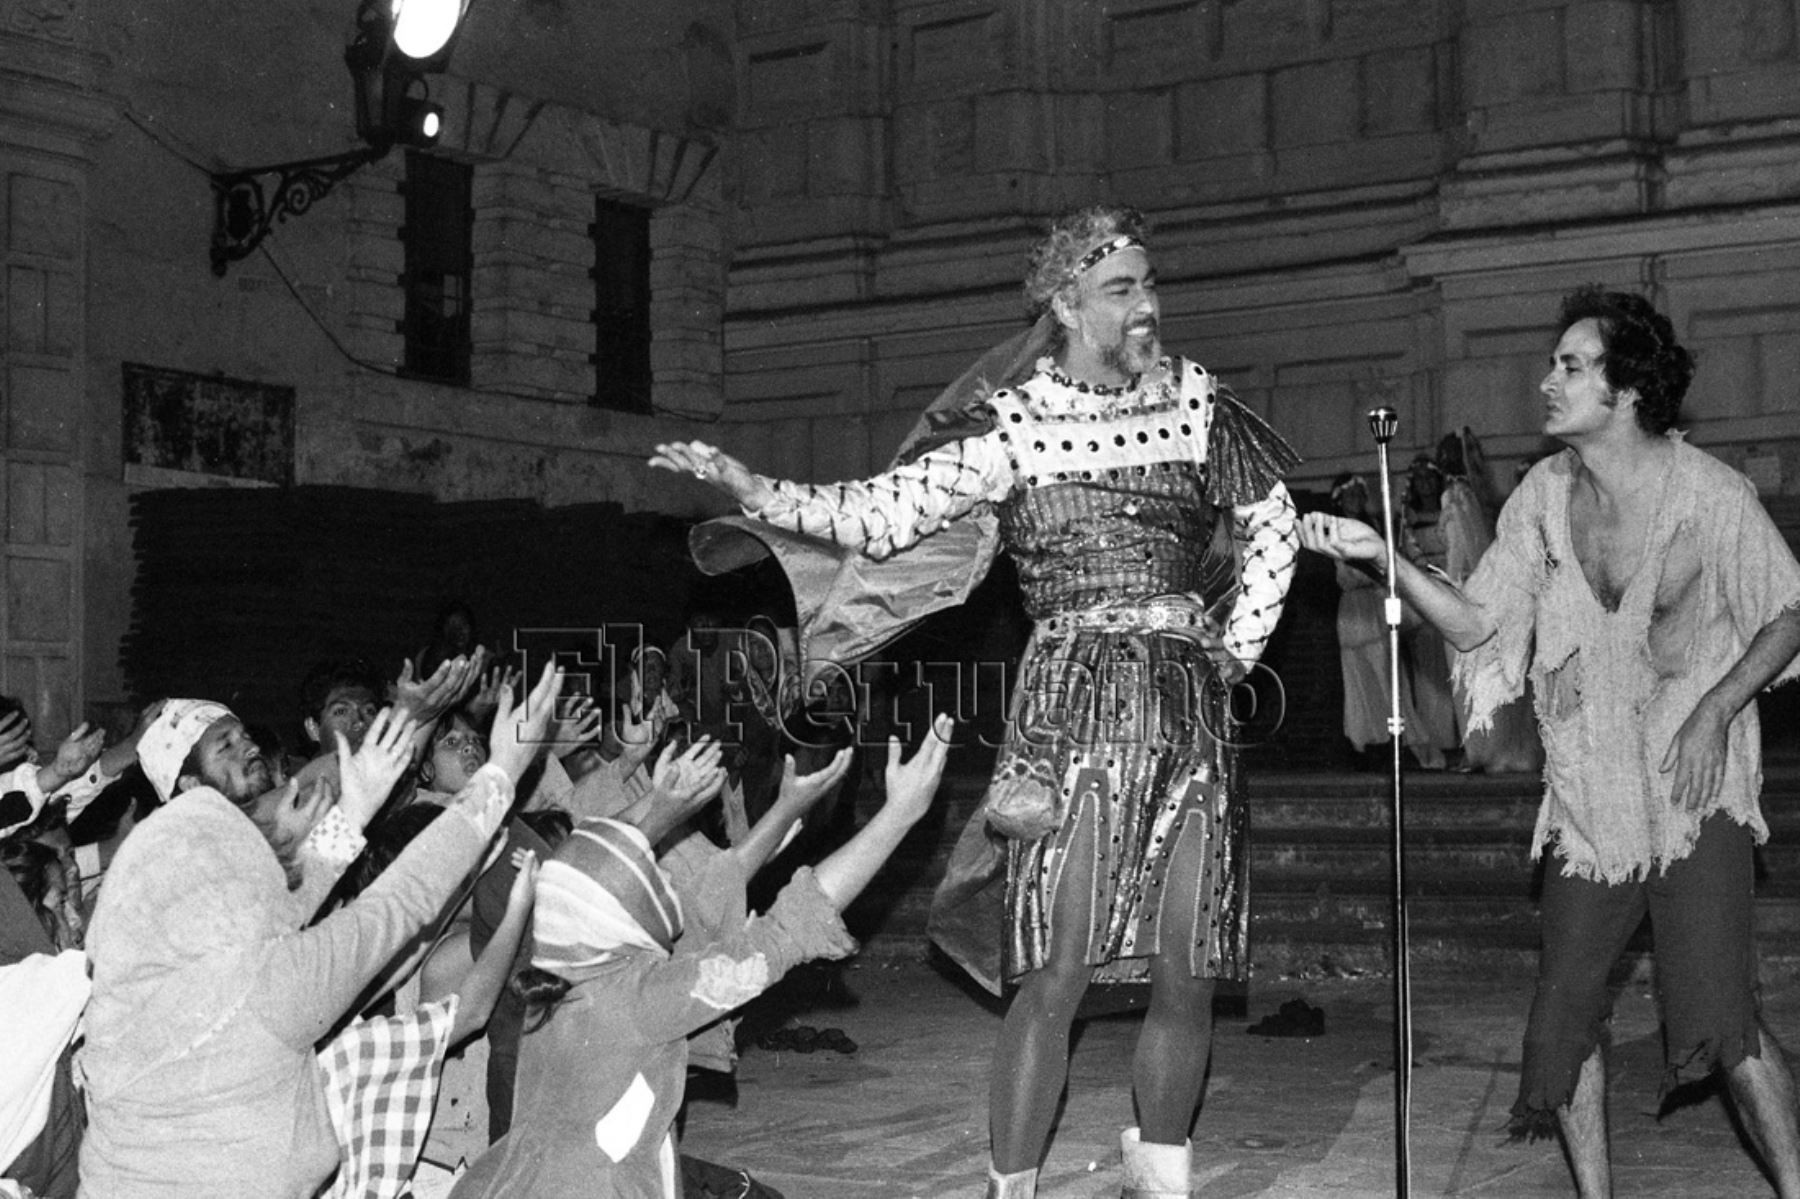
column 1357, row 202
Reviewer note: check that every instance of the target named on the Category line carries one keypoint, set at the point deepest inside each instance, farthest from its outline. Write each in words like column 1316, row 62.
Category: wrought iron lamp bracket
column 245, row 209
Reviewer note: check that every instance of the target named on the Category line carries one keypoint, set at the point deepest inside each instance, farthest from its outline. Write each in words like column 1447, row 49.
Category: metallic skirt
column 1129, row 728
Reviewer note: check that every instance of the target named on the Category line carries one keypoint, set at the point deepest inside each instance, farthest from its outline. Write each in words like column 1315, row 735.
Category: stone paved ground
column 905, row 1115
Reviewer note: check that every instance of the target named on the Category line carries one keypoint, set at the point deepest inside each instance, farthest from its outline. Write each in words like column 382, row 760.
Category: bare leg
column 1176, row 1040
column 1031, row 1056
column 1583, row 1121
column 1763, row 1089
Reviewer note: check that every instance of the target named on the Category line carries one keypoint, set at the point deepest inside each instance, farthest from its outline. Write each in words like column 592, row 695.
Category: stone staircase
column 1321, row 871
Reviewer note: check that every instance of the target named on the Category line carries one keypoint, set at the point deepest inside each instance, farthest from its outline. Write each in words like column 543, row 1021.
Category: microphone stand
column 1384, row 423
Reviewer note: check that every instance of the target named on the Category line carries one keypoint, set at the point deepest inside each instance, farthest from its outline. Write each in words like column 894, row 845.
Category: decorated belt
column 1176, row 613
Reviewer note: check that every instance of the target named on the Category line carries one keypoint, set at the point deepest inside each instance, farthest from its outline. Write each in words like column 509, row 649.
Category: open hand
column 480, row 705
column 712, row 465
column 15, row 737
column 518, row 733
column 573, row 728
column 366, row 777
column 802, row 791
column 75, row 754
column 427, row 699
column 688, row 781
column 912, row 784
column 638, row 734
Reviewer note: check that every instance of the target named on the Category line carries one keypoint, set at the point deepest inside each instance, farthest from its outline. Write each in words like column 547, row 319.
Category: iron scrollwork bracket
column 244, row 209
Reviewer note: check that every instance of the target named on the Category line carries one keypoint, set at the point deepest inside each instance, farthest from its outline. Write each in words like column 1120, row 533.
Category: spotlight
column 417, row 121
column 396, row 45
column 423, row 28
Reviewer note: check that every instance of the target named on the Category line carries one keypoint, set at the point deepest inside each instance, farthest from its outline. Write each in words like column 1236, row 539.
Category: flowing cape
column 849, row 605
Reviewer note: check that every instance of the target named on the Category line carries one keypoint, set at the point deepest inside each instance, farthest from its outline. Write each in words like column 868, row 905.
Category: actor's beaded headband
column 1105, row 249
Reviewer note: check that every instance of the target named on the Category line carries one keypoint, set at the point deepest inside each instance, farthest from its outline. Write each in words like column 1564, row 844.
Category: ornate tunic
column 1612, row 687
column 1108, row 502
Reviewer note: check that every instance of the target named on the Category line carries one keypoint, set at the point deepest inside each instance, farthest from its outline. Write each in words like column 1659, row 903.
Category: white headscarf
column 166, row 744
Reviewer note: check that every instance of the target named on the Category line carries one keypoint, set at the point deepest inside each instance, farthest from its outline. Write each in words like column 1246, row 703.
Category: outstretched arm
column 910, row 788
column 481, row 986
column 799, row 792
column 1462, row 621
column 878, row 515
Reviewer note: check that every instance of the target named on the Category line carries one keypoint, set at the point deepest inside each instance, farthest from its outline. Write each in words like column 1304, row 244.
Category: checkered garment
column 381, row 1086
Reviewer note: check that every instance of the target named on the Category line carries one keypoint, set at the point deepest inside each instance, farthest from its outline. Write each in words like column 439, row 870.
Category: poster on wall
column 208, row 424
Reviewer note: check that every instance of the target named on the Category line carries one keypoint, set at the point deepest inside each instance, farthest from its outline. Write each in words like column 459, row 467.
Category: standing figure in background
column 1109, row 465
column 1510, row 742
column 1427, row 658
column 1363, row 648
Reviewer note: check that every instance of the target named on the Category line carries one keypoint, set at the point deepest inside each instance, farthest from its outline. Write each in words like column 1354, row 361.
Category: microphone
column 1384, row 422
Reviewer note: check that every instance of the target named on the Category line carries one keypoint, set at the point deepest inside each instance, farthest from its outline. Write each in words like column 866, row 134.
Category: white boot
column 1155, row 1171
column 1022, row 1185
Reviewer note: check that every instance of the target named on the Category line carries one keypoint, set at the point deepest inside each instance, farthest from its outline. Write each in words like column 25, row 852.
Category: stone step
column 1321, row 870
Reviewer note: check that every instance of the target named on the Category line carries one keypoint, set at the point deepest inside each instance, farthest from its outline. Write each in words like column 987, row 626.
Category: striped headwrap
column 602, row 895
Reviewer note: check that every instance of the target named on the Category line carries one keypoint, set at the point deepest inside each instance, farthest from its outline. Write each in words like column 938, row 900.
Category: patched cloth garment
column 1612, row 687
column 1108, row 501
column 381, row 1086
column 600, row 1082
column 209, row 996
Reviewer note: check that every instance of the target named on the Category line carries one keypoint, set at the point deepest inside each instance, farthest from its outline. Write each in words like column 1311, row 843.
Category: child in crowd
column 616, row 988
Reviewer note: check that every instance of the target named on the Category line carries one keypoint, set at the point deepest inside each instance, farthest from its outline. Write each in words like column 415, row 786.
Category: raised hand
column 575, row 727
column 688, row 781
column 912, row 784
column 518, row 733
column 480, row 705
column 524, row 885
column 366, row 777
column 15, row 737
column 802, row 791
column 73, row 756
column 116, row 758
column 427, row 699
column 638, row 735
column 712, row 465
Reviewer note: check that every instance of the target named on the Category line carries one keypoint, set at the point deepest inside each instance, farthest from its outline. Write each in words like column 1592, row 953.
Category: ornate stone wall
column 1357, row 202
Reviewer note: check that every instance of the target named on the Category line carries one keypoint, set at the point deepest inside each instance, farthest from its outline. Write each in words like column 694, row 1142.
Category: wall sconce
column 397, row 43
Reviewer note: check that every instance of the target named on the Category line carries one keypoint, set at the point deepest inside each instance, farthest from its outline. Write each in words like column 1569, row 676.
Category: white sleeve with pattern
column 1267, row 548
column 892, row 511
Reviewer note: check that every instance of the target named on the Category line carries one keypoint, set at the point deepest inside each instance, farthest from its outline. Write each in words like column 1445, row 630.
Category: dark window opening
column 621, row 359
column 438, row 234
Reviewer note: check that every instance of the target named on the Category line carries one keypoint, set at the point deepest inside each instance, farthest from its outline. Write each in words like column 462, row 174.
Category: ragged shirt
column 1613, row 687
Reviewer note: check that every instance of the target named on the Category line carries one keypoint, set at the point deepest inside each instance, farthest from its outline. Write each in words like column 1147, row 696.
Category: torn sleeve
column 1761, row 579
column 1507, row 583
